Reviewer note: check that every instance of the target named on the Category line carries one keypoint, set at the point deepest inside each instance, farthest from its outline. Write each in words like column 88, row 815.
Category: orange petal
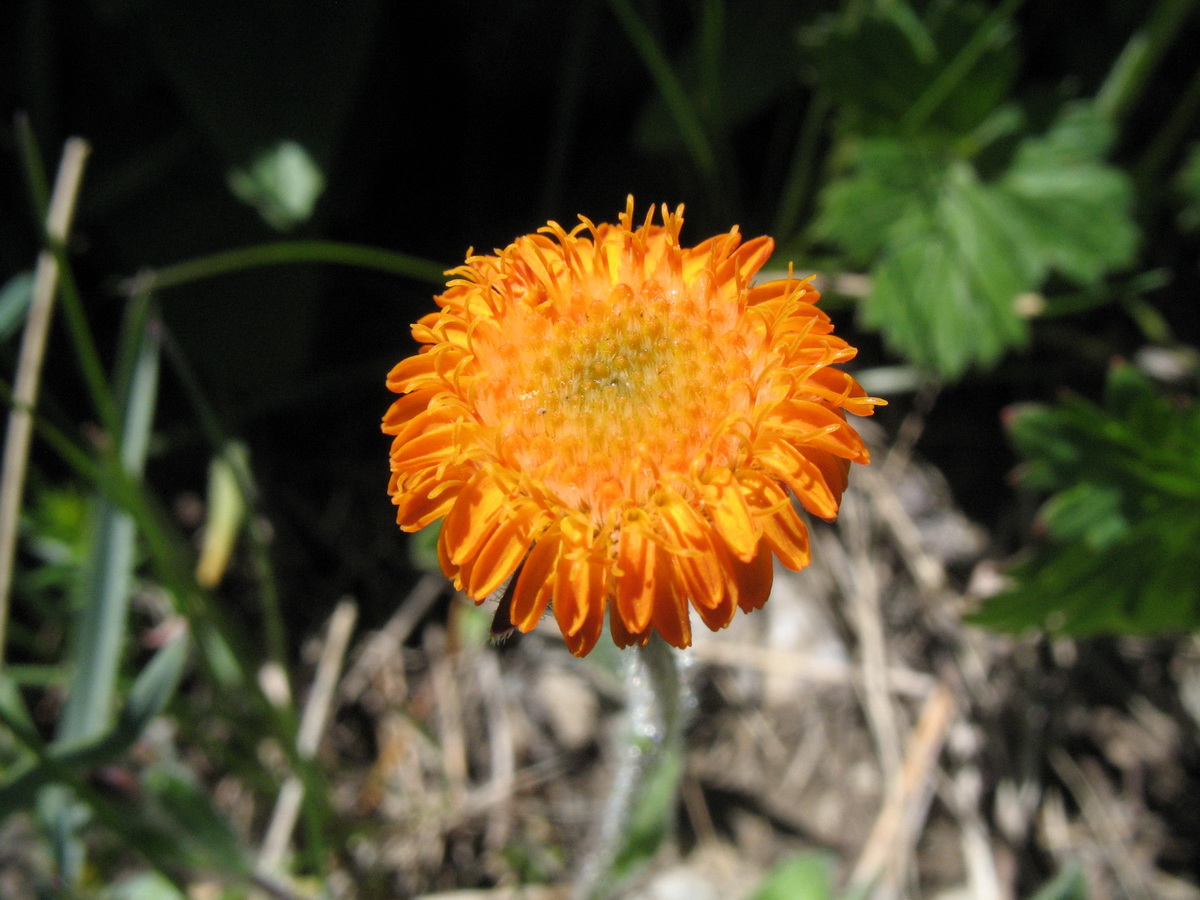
column 430, row 448
column 785, row 534
column 620, row 634
column 473, row 517
column 536, row 582
column 814, row 425
column 730, row 515
column 802, row 475
column 426, row 501
column 753, row 578
column 670, row 617
column 449, row 569
column 500, row 555
column 408, row 370
column 405, row 408
column 694, row 560
column 581, row 574
column 637, row 563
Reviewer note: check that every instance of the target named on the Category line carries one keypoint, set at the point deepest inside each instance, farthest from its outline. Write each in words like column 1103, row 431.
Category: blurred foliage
column 1123, row 520
column 1019, row 184
column 1189, row 182
column 808, row 875
column 1069, row 884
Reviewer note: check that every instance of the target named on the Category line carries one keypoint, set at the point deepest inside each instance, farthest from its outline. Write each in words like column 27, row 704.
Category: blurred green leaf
column 952, row 253
column 1123, row 520
column 282, row 183
column 908, row 60
column 806, row 876
column 1069, row 884
column 144, row 886
column 15, row 297
column 1070, row 209
column 652, row 815
column 1189, row 184
column 147, row 699
column 178, row 815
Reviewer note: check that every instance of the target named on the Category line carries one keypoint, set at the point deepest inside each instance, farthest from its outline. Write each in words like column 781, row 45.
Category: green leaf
column 283, row 183
column 147, row 699
column 652, row 815
column 808, row 876
column 15, row 297
column 1123, row 520
column 1067, row 204
column 1069, row 884
column 153, row 690
column 1189, row 187
column 178, row 815
column 952, row 253
column 950, row 268
column 907, row 58
column 144, row 886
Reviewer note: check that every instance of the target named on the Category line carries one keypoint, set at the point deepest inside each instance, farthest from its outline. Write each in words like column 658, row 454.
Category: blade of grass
column 29, row 367
column 679, row 105
column 802, row 173
column 99, row 632
column 149, row 696
column 99, row 635
column 1131, row 72
column 1149, row 170
column 959, row 68
column 285, row 253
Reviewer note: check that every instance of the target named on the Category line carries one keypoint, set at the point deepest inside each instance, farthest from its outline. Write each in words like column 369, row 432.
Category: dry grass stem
column 29, row 366
column 312, row 724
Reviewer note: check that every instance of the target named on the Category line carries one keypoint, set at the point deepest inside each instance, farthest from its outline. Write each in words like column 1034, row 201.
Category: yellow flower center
column 604, row 397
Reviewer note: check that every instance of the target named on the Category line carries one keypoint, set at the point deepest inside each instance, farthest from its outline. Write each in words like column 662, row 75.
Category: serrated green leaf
column 806, row 876
column 952, row 253
column 1123, row 519
column 1067, row 204
column 889, row 180
column 943, row 293
column 1088, row 513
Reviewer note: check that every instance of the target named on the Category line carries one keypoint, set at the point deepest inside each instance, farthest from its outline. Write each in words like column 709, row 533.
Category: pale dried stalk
column 29, row 365
column 312, row 724
column 904, row 809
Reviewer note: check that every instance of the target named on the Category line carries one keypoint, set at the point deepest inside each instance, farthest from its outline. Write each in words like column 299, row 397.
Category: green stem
column 283, row 253
column 658, row 699
column 1131, row 72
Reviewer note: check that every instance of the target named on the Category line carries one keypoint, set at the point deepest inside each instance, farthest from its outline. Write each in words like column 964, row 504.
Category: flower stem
column 649, row 761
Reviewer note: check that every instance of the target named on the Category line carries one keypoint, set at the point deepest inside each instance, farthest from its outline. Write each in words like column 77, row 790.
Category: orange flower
column 618, row 420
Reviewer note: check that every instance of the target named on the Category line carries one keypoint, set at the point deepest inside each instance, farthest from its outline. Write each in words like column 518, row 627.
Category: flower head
column 619, row 420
